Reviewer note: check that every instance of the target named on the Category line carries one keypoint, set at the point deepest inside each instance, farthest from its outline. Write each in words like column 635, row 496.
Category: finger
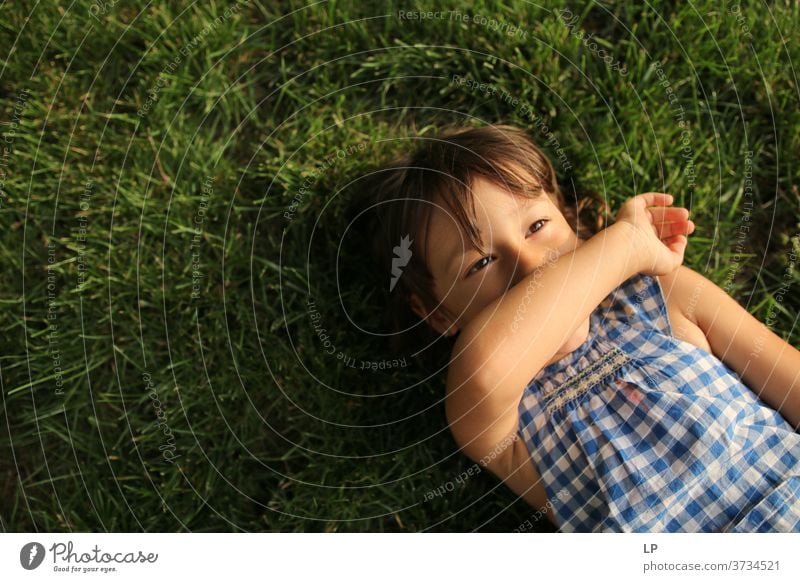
column 668, row 213
column 677, row 244
column 655, row 198
column 667, row 230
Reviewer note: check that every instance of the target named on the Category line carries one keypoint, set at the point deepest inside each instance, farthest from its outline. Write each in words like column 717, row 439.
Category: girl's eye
column 480, row 264
column 537, row 226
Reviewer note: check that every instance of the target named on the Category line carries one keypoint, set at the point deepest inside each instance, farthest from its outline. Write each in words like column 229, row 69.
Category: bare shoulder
column 479, row 421
column 486, row 431
column 684, row 290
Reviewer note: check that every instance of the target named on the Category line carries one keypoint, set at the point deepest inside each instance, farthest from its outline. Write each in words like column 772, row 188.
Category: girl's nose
column 527, row 261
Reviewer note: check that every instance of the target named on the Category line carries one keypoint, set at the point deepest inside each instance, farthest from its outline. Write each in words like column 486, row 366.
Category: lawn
column 185, row 298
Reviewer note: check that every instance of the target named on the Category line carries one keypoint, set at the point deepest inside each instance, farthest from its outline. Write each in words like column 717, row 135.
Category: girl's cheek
column 492, row 289
column 568, row 241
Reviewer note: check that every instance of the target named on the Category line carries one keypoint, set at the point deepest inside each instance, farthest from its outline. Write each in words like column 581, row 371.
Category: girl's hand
column 658, row 232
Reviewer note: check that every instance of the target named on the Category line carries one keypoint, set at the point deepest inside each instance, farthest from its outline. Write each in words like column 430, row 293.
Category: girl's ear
column 437, row 319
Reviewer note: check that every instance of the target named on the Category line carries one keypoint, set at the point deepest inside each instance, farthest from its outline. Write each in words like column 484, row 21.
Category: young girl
column 608, row 385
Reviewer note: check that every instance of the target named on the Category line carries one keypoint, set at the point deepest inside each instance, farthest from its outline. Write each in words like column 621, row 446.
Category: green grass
column 270, row 433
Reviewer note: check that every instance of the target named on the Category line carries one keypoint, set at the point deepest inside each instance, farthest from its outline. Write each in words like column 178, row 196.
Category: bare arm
column 521, row 331
column 506, row 345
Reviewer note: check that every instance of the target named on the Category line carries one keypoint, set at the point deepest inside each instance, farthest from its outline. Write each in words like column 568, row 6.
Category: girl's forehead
column 484, row 189
column 489, row 202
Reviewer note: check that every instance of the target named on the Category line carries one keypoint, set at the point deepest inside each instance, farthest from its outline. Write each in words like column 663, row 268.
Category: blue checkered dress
column 639, row 431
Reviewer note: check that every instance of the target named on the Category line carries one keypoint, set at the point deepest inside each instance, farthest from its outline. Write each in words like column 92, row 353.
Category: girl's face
column 519, row 235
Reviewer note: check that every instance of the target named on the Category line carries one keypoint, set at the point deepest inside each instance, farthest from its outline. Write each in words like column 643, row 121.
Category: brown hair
column 402, row 193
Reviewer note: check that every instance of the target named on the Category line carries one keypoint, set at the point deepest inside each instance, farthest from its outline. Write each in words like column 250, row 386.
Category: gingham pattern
column 638, row 431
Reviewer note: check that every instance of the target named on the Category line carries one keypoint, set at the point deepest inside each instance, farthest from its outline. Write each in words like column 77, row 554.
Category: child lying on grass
column 599, row 376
